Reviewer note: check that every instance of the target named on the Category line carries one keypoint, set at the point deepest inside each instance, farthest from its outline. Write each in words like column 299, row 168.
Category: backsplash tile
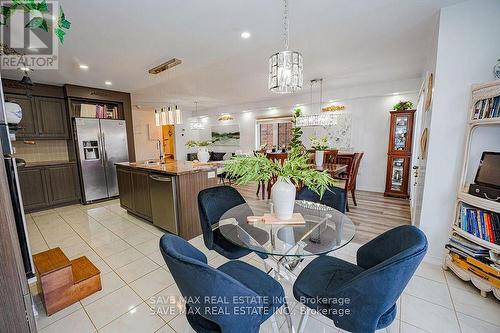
column 42, row 150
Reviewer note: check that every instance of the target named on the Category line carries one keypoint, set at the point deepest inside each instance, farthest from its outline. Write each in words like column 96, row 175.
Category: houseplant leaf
column 60, row 34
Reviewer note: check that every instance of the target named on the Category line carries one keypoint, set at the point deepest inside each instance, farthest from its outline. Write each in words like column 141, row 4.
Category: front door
column 419, row 155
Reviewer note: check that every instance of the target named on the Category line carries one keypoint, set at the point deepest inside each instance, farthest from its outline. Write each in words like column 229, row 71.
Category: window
column 274, row 132
column 284, row 134
column 266, row 135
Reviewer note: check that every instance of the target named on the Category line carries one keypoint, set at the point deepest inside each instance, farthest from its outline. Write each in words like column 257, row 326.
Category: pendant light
column 178, row 115
column 170, row 116
column 157, row 118
column 197, row 124
column 321, row 119
column 164, row 120
column 286, row 67
column 166, row 116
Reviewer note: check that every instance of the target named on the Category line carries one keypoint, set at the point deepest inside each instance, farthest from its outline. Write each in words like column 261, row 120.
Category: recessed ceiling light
column 108, row 83
column 245, row 34
column 84, row 67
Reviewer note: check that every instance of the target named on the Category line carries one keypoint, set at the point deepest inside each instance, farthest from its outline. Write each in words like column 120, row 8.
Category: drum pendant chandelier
column 286, row 67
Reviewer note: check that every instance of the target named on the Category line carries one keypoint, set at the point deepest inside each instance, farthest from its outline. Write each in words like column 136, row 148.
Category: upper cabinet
column 27, row 126
column 52, row 121
column 43, row 117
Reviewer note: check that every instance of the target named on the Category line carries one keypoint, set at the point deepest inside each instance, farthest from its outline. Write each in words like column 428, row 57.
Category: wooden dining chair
column 351, row 174
column 280, row 157
column 261, row 186
column 330, row 156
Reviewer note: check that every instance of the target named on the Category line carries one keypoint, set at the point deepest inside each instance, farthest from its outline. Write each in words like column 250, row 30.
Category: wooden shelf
column 483, row 285
column 491, row 246
column 479, row 202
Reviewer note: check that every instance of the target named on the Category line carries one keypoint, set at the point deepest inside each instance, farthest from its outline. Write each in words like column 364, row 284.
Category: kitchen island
column 166, row 193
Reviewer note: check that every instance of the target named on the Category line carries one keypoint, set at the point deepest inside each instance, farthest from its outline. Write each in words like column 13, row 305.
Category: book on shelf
column 464, row 247
column 98, row 111
column 487, row 108
column 478, row 268
column 480, row 223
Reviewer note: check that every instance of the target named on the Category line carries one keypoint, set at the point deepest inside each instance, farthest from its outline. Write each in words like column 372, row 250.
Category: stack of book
column 487, row 108
column 465, row 248
column 480, row 223
column 111, row 112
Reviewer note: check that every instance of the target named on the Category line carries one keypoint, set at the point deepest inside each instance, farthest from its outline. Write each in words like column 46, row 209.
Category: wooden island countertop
column 172, row 167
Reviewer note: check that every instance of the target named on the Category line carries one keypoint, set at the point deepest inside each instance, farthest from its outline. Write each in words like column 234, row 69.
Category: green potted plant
column 403, row 105
column 203, row 155
column 294, row 170
column 319, row 145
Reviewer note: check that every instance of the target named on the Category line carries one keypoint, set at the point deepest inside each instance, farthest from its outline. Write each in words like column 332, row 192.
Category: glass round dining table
column 325, row 230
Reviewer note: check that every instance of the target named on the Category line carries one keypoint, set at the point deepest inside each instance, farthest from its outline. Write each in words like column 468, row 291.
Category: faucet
column 160, row 149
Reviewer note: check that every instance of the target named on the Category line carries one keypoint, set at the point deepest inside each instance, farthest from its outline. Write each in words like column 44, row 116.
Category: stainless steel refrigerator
column 100, row 144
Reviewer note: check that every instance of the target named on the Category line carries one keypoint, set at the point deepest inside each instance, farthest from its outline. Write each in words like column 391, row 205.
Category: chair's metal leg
column 274, row 324
column 288, row 316
column 303, row 321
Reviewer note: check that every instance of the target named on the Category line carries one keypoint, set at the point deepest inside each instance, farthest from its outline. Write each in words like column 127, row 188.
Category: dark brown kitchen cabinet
column 125, row 188
column 52, row 121
column 62, row 183
column 134, row 192
column 43, row 117
column 49, row 186
column 33, row 188
column 27, row 125
column 141, row 196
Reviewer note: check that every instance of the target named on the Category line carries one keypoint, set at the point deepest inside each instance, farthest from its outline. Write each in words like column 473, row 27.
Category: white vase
column 283, row 197
column 203, row 155
column 318, row 157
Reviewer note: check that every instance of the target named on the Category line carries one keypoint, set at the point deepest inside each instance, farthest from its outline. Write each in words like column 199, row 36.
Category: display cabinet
column 399, row 153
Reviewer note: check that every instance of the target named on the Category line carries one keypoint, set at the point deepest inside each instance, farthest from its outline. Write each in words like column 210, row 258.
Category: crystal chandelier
column 197, row 124
column 321, row 119
column 286, row 67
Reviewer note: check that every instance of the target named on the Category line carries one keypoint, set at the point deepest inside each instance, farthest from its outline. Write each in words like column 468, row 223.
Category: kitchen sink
column 153, row 163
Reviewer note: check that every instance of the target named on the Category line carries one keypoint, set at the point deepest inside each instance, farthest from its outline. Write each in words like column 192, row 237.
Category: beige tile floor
column 136, row 282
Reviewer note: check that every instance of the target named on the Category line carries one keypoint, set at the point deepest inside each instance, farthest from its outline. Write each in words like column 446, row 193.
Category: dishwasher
column 163, row 202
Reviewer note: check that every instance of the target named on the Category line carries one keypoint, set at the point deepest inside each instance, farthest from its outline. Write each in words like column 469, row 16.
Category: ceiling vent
column 166, row 65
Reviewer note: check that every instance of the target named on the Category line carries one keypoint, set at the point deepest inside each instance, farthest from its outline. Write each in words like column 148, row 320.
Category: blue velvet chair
column 215, row 298
column 384, row 267
column 334, row 197
column 213, row 203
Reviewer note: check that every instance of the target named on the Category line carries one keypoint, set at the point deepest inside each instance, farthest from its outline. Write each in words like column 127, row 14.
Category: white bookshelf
column 478, row 92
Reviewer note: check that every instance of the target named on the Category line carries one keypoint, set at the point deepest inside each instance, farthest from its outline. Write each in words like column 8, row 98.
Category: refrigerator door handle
column 104, row 153
column 101, row 148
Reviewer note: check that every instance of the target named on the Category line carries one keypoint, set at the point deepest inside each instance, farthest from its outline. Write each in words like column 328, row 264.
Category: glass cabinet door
column 400, row 140
column 398, row 172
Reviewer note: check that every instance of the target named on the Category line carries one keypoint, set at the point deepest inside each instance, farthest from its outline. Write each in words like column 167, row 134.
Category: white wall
column 146, row 146
column 145, row 149
column 467, row 50
column 369, row 107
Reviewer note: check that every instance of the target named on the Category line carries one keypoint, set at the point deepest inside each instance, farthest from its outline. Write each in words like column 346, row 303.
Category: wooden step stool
column 64, row 282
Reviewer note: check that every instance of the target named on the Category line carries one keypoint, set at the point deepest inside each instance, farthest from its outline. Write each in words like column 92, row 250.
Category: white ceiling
column 346, row 42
